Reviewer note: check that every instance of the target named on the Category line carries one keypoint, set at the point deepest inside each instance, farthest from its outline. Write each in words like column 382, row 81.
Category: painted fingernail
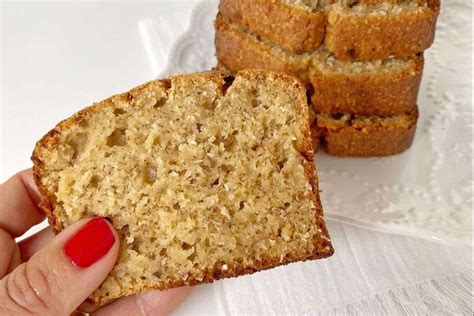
column 90, row 243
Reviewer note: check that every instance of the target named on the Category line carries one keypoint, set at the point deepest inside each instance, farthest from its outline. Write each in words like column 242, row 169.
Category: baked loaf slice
column 373, row 88
column 352, row 30
column 203, row 176
column 360, row 136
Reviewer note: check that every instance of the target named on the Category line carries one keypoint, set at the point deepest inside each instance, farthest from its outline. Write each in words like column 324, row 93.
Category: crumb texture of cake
column 203, row 176
column 350, row 29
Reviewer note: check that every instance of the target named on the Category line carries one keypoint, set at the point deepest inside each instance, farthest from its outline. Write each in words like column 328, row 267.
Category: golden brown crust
column 237, row 51
column 276, row 21
column 316, row 134
column 382, row 137
column 367, row 37
column 378, row 93
column 322, row 244
column 349, row 37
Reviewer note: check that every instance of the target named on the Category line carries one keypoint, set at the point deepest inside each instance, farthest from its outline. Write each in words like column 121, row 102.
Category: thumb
column 58, row 278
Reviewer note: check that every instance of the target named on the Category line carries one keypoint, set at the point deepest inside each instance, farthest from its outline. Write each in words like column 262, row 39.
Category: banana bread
column 203, row 176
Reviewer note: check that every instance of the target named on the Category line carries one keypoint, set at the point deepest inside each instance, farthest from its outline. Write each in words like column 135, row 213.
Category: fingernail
column 90, row 243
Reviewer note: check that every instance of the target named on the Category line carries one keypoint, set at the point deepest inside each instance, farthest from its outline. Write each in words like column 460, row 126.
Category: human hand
column 53, row 275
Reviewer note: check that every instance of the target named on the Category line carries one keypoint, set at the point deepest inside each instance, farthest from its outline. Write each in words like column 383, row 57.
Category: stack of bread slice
column 361, row 61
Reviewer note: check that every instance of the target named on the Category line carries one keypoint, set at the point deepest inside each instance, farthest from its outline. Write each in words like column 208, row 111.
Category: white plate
column 424, row 192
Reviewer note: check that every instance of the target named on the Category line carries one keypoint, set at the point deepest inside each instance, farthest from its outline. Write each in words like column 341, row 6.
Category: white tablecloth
column 59, row 57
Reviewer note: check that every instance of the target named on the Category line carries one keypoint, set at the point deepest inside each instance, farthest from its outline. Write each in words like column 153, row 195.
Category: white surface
column 59, row 57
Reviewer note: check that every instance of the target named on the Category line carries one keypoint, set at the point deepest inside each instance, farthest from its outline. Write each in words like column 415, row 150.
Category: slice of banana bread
column 351, row 29
column 360, row 136
column 376, row 88
column 203, row 176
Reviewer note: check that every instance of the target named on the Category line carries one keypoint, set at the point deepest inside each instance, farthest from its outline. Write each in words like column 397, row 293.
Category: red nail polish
column 90, row 243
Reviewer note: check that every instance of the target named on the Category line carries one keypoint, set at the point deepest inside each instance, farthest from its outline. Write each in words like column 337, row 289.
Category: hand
column 53, row 275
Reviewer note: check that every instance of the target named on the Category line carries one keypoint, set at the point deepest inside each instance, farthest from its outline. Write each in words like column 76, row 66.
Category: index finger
column 19, row 200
